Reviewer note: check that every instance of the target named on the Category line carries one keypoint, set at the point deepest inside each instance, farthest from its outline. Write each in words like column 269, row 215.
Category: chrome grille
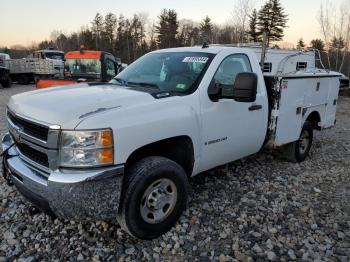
column 36, row 143
column 28, row 127
column 33, row 154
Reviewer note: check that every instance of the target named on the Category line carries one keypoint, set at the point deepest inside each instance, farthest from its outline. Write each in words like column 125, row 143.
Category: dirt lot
column 261, row 208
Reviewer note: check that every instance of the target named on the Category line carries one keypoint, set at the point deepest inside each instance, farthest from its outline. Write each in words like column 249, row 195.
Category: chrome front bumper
column 91, row 194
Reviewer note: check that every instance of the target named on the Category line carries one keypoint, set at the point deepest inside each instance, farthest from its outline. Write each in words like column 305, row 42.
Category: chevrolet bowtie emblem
column 17, row 134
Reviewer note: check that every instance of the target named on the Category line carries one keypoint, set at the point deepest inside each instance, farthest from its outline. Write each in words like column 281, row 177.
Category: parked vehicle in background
column 4, row 57
column 55, row 55
column 127, row 148
column 84, row 66
column 29, row 70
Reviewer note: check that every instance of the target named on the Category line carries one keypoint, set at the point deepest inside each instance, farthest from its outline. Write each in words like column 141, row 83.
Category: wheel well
column 314, row 118
column 179, row 149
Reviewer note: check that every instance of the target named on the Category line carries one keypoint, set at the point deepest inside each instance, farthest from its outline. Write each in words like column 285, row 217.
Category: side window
column 110, row 68
column 301, row 66
column 267, row 67
column 227, row 72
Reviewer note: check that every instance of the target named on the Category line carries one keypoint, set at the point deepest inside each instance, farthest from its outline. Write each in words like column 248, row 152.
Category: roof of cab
column 49, row 51
column 85, row 54
column 200, row 49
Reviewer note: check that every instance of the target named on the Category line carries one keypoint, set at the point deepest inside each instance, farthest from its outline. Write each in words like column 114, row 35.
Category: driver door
column 231, row 129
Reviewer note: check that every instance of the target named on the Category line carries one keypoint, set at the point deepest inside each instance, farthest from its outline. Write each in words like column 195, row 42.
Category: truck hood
column 69, row 105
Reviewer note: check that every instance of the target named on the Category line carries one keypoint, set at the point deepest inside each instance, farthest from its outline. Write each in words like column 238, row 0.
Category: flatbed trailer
column 29, row 70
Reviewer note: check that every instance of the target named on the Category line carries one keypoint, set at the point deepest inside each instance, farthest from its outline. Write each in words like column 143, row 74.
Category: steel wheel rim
column 304, row 142
column 158, row 201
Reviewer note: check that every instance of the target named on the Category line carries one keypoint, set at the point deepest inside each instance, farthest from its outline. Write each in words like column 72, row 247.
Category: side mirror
column 214, row 91
column 245, row 87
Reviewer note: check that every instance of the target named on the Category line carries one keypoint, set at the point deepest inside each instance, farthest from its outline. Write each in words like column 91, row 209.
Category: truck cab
column 91, row 65
column 55, row 55
column 125, row 150
column 84, row 66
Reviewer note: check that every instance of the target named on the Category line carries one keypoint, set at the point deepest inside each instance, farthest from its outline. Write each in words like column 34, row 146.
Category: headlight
column 86, row 148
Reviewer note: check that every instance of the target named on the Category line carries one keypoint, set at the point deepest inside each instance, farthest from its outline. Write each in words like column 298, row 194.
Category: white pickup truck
column 125, row 150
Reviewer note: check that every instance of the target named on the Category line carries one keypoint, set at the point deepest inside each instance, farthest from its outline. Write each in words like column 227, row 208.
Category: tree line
column 131, row 37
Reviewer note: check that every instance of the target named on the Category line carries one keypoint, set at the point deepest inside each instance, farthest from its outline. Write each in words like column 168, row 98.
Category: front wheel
column 299, row 150
column 6, row 83
column 154, row 198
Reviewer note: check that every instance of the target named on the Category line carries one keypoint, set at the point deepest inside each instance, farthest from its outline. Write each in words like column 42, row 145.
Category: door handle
column 255, row 107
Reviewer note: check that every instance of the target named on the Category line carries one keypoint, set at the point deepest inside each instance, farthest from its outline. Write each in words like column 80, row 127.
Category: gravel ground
column 261, row 208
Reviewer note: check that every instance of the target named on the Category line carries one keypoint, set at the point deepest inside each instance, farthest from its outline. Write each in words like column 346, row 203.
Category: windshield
column 171, row 72
column 55, row 56
column 83, row 67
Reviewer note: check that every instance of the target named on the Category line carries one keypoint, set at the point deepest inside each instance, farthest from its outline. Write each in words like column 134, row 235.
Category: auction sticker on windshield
column 195, row 59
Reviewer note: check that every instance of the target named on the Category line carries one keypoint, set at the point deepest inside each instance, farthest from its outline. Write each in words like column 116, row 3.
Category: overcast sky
column 23, row 21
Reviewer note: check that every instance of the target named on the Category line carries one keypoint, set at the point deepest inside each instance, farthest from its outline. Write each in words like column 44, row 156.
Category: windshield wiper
column 121, row 81
column 133, row 84
column 143, row 84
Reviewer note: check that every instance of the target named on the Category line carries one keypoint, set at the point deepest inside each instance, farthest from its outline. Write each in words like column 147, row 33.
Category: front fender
column 136, row 126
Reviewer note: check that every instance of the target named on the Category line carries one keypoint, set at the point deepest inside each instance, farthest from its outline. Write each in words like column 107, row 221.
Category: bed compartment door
column 290, row 112
column 332, row 101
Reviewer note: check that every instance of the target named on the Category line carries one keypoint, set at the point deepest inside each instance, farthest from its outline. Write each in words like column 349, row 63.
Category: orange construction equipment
column 84, row 66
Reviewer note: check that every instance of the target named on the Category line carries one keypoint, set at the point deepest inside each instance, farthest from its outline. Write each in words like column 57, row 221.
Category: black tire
column 25, row 79
column 139, row 179
column 298, row 151
column 6, row 83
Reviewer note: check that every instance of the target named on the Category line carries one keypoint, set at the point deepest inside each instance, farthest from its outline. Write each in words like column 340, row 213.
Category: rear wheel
column 25, row 79
column 299, row 150
column 154, row 198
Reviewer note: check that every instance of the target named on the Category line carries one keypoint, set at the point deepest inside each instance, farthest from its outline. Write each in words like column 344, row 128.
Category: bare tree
column 325, row 21
column 335, row 28
column 241, row 13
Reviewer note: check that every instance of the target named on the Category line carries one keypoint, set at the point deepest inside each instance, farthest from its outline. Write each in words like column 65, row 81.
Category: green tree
column 337, row 43
column 45, row 44
column 206, row 30
column 272, row 20
column 130, row 41
column 253, row 23
column 97, row 28
column 317, row 44
column 301, row 44
column 87, row 38
column 109, row 31
column 167, row 29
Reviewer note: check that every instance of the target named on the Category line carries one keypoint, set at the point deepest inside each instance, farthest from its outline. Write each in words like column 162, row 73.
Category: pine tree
column 97, row 27
column 109, row 30
column 87, row 38
column 206, row 29
column 301, row 44
column 167, row 29
column 317, row 44
column 337, row 43
column 272, row 20
column 253, row 22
